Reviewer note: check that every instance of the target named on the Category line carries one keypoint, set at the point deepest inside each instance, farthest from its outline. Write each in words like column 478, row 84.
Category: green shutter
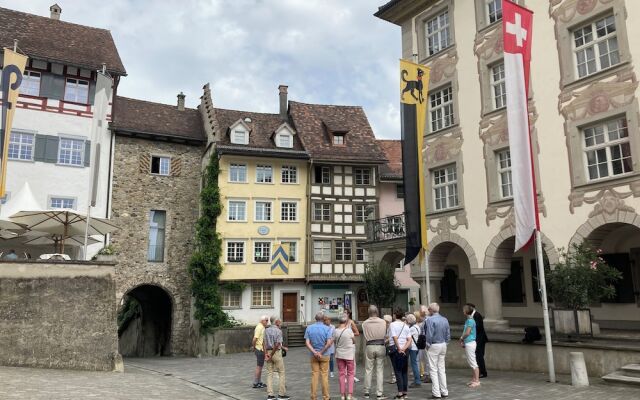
column 41, row 143
column 51, row 149
column 87, row 153
column 92, row 92
column 52, row 86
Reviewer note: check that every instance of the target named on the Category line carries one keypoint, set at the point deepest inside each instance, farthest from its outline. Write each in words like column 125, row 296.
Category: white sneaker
column 331, row 374
column 356, row 379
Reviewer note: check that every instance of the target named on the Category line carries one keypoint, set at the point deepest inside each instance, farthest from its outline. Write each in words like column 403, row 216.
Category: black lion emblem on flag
column 413, row 86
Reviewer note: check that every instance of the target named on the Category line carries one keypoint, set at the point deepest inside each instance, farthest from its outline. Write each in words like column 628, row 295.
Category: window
column 361, row 213
column 441, row 109
column 289, row 211
column 289, row 174
column 261, row 252
column 438, row 34
column 343, row 250
column 239, row 136
column 293, row 251
column 494, row 10
column 21, row 146
column 235, row 252
column 237, row 211
column 625, row 292
column 498, row 88
column 322, row 251
column 157, row 220
column 322, row 212
column 596, row 46
column 160, row 165
column 30, row 83
column 237, row 173
column 400, row 190
column 76, row 90
column 363, row 176
column 338, row 139
column 261, row 296
column 607, row 149
column 512, row 288
column 504, row 173
column 264, row 174
column 71, row 151
column 445, row 187
column 284, row 140
column 263, row 210
column 62, row 202
column 361, row 253
column 322, row 175
column 449, row 287
column 231, row 299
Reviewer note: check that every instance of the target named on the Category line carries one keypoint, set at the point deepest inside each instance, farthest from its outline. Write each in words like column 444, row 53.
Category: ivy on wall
column 204, row 266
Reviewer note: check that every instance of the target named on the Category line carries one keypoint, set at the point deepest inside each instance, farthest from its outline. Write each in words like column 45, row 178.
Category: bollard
column 579, row 377
column 222, row 349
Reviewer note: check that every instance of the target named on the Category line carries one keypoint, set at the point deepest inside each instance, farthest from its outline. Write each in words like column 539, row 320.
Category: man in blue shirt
column 438, row 335
column 318, row 341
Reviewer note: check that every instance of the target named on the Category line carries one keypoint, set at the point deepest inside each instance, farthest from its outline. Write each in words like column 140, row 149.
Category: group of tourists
column 418, row 340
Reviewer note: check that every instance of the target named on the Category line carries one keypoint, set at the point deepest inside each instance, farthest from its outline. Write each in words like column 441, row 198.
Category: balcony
column 388, row 228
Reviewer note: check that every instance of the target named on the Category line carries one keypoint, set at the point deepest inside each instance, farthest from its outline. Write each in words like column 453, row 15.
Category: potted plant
column 580, row 279
column 107, row 253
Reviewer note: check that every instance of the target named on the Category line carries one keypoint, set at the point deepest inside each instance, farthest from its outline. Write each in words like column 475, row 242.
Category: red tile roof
column 59, row 41
column 315, row 124
column 393, row 151
column 155, row 119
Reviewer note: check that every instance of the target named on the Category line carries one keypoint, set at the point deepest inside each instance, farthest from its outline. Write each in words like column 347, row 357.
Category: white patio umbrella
column 23, row 199
column 63, row 222
column 56, row 240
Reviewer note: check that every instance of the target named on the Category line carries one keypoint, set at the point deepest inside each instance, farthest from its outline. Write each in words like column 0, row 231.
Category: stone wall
column 235, row 340
column 58, row 315
column 135, row 193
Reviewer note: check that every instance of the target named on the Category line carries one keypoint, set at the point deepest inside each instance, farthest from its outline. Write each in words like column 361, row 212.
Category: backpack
column 531, row 334
column 421, row 344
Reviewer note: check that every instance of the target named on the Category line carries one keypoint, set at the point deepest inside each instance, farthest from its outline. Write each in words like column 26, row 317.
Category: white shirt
column 414, row 332
column 400, row 330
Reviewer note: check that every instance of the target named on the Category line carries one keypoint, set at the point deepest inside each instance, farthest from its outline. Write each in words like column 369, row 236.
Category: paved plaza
column 229, row 378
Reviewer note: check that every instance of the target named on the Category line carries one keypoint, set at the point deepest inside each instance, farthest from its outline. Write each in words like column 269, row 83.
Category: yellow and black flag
column 12, row 71
column 414, row 83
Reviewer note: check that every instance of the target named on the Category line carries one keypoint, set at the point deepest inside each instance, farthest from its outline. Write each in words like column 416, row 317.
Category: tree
column 381, row 285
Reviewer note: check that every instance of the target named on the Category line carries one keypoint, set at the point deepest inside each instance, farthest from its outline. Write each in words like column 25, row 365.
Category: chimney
column 181, row 97
column 56, row 10
column 283, row 101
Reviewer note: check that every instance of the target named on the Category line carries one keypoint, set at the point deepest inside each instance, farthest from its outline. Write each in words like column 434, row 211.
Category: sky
column 326, row 51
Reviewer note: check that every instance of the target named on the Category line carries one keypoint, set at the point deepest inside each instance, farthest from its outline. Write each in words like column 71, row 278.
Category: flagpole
column 545, row 307
column 424, row 265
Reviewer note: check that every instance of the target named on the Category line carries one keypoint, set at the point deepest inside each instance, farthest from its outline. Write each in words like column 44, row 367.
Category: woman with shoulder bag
column 414, row 332
column 399, row 332
column 343, row 338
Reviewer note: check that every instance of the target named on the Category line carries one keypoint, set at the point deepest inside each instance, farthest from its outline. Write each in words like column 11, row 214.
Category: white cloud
column 327, row 51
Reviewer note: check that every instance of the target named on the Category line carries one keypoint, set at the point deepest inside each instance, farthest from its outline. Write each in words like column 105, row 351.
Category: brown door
column 289, row 307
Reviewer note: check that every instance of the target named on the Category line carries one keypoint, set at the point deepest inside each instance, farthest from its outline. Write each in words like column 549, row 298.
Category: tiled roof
column 145, row 117
column 59, row 41
column 314, row 123
column 262, row 127
column 386, row 7
column 393, row 151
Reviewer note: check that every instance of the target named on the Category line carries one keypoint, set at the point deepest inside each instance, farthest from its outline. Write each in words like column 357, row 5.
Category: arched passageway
column 144, row 322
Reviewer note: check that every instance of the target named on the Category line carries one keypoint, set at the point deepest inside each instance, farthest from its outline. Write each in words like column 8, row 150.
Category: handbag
column 284, row 353
column 392, row 348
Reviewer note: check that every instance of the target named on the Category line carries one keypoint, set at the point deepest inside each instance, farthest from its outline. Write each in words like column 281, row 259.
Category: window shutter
column 92, row 91
column 176, row 166
column 52, row 86
column 145, row 163
column 87, row 153
column 41, row 143
column 51, row 149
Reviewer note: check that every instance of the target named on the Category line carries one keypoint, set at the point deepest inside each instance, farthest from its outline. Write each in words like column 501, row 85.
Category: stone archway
column 392, row 258
column 497, row 251
column 145, row 322
column 596, row 222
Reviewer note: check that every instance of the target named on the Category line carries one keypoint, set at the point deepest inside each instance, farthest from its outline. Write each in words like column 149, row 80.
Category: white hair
column 411, row 319
column 424, row 309
column 319, row 316
column 264, row 318
column 434, row 307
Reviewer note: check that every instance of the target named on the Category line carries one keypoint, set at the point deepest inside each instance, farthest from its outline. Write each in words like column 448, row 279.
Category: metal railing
column 387, row 228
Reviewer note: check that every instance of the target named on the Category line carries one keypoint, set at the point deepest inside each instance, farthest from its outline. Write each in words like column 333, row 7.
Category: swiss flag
column 517, row 31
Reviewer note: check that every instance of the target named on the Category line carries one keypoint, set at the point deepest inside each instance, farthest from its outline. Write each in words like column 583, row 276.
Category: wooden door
column 289, row 307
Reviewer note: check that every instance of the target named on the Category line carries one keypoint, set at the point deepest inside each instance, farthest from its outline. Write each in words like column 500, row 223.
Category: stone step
column 618, row 378
column 631, row 370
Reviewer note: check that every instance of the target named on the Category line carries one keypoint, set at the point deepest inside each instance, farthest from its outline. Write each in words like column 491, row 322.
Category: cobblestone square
column 229, row 378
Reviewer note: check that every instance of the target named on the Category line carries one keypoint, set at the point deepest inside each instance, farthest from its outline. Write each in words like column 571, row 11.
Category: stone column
column 492, row 297
column 434, row 284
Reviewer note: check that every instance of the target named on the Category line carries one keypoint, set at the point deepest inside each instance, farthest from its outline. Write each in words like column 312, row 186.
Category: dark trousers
column 401, row 369
column 480, row 357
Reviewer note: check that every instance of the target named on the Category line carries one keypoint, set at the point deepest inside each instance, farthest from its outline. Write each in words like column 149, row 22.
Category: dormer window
column 338, row 139
column 239, row 136
column 284, row 140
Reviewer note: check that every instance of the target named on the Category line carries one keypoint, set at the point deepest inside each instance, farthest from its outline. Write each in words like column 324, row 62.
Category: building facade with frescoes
column 585, row 137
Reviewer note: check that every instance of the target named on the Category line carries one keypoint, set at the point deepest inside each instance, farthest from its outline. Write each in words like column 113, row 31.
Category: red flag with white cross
column 517, row 31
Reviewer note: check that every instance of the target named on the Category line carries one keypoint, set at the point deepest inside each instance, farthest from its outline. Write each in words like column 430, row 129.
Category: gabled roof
column 59, row 41
column 262, row 126
column 393, row 151
column 146, row 118
column 315, row 123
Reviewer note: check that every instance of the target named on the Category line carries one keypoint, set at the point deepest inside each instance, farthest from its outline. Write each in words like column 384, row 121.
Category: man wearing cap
column 257, row 344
